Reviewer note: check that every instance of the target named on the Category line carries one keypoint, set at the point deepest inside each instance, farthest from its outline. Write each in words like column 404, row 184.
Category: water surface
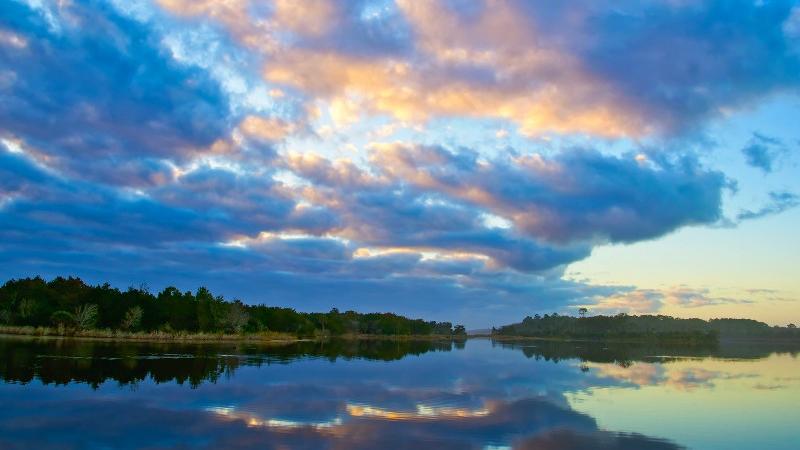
column 388, row 394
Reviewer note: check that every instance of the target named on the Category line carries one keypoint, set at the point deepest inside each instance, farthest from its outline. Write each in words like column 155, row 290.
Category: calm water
column 483, row 395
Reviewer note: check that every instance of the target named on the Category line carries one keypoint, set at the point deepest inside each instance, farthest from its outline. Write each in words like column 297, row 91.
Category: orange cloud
column 269, row 129
column 312, row 17
column 540, row 89
column 399, row 89
column 640, row 301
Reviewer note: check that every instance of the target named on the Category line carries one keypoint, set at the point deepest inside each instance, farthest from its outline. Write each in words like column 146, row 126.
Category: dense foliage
column 69, row 303
column 622, row 326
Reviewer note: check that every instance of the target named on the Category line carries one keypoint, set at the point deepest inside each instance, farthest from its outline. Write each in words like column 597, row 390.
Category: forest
column 69, row 304
column 624, row 326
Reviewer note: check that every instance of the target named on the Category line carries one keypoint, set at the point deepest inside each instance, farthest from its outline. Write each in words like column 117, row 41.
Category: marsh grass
column 182, row 336
column 145, row 336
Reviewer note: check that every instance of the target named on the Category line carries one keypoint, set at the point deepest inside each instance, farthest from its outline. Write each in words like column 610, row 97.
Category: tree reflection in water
column 62, row 361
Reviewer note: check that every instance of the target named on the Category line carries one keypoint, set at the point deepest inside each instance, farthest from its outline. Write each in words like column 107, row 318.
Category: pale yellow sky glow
column 758, row 262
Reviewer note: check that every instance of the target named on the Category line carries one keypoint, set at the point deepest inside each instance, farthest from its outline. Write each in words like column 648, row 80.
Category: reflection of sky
column 709, row 404
column 464, row 398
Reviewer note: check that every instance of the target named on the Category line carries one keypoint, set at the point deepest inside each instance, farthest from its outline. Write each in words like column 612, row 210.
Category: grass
column 179, row 336
column 183, row 336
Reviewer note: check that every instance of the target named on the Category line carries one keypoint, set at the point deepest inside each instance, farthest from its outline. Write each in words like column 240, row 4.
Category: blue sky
column 475, row 161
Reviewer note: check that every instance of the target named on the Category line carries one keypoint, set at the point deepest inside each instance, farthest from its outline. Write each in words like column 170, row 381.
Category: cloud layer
column 583, row 67
column 132, row 150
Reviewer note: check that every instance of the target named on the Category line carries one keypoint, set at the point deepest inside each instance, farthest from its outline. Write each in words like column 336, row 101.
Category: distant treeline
column 623, row 326
column 71, row 304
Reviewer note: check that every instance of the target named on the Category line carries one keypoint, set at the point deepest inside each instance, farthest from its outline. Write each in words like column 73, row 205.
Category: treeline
column 623, row 326
column 70, row 304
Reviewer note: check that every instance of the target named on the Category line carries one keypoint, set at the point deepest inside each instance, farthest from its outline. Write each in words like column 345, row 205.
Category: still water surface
column 383, row 394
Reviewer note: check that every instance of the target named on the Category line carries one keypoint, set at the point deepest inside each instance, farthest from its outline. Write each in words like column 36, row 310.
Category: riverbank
column 726, row 340
column 611, row 340
column 179, row 336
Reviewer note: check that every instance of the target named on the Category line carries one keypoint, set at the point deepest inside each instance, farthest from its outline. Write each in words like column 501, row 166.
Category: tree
column 236, row 318
column 85, row 316
column 791, row 325
column 207, row 311
column 26, row 308
column 62, row 318
column 72, row 305
column 132, row 319
column 582, row 312
column 5, row 316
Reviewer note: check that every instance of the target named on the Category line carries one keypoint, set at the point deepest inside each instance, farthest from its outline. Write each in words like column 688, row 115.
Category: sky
column 473, row 161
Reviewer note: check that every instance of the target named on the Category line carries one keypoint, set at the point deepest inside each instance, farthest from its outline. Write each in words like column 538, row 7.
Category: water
column 384, row 394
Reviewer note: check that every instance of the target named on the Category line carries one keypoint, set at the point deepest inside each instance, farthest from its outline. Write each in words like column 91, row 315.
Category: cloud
column 577, row 195
column 430, row 198
column 682, row 60
column 102, row 87
column 413, row 220
column 694, row 298
column 127, row 151
column 779, row 202
column 791, row 26
column 379, row 211
column 205, row 205
column 632, row 70
column 762, row 151
column 638, row 301
column 647, row 301
column 253, row 237
column 268, row 129
column 212, row 222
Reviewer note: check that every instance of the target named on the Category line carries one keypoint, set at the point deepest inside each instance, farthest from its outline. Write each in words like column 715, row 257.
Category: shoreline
column 668, row 341
column 266, row 337
column 512, row 339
